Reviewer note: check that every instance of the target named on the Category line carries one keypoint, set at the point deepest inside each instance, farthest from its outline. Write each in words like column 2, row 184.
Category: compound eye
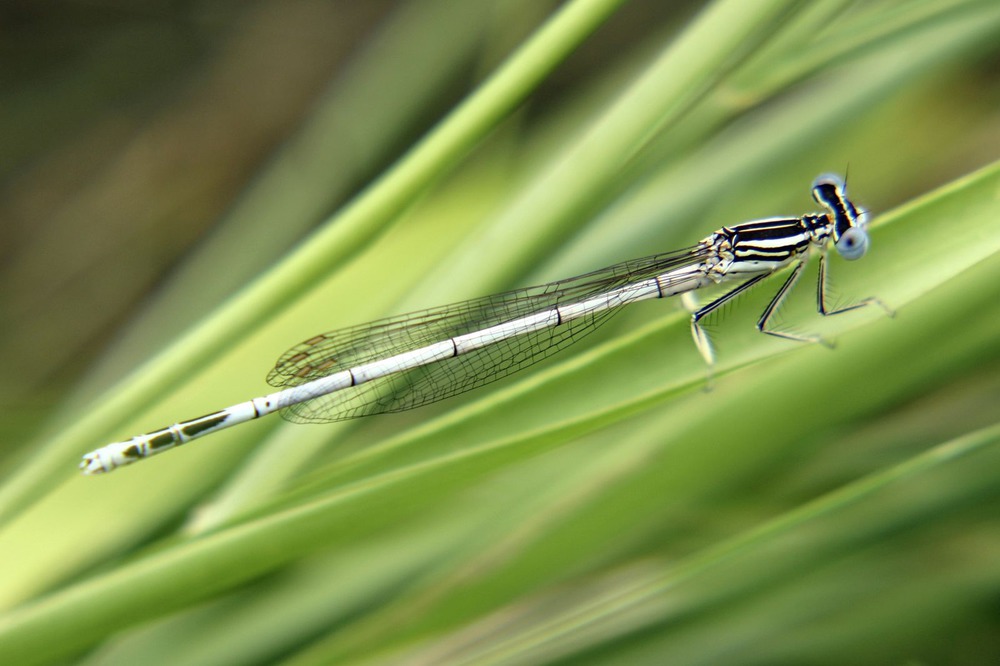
column 853, row 244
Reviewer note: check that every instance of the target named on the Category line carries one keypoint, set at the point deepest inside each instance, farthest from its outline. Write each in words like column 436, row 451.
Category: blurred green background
column 188, row 189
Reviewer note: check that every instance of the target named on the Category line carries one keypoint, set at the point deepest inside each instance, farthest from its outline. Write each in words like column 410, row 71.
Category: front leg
column 825, row 310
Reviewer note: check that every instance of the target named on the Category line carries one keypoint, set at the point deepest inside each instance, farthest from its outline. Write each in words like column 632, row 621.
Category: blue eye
column 853, row 244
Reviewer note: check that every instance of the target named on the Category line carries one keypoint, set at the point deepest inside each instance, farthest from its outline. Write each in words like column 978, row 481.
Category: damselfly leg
column 821, row 297
column 704, row 343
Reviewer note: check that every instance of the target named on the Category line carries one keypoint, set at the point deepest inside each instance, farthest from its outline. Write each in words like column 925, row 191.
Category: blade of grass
column 647, row 598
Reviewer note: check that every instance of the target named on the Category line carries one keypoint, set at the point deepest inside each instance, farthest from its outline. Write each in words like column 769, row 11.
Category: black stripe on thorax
column 769, row 240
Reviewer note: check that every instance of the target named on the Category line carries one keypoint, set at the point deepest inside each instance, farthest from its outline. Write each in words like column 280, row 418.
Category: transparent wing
column 331, row 352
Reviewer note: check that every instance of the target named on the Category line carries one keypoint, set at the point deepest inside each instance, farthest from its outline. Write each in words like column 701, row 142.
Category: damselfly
column 410, row 360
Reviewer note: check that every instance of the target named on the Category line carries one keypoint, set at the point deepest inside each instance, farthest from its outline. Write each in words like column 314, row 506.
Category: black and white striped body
column 769, row 245
column 329, row 376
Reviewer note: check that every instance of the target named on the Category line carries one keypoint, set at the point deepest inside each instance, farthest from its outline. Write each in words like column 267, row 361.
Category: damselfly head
column 848, row 221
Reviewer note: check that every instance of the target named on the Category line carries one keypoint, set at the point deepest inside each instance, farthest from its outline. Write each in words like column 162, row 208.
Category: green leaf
column 611, row 505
